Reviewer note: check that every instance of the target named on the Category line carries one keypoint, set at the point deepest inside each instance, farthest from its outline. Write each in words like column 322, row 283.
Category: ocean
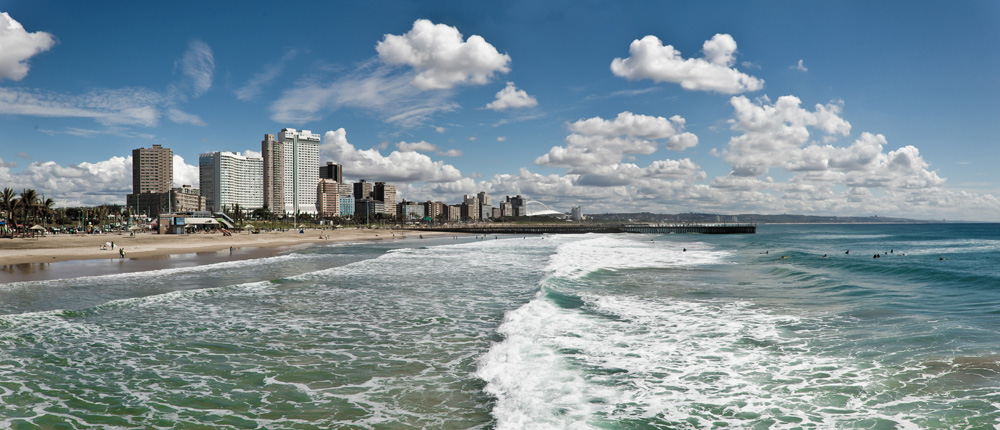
column 795, row 327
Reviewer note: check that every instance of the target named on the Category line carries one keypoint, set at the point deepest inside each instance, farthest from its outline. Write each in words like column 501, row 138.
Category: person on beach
column 121, row 252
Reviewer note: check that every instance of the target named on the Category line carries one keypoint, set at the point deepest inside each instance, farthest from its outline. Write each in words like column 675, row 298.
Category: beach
column 66, row 247
column 782, row 329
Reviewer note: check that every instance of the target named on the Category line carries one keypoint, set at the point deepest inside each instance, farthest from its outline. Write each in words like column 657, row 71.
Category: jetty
column 596, row 228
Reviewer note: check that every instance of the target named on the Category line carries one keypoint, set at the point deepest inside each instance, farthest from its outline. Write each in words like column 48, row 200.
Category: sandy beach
column 66, row 247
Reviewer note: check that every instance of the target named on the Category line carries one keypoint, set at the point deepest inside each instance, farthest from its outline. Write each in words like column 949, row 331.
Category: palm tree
column 29, row 203
column 7, row 201
column 45, row 205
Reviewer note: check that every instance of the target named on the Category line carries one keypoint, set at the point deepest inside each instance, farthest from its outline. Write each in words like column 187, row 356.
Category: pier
column 599, row 228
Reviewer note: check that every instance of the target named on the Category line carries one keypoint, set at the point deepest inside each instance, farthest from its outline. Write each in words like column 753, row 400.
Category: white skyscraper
column 227, row 178
column 291, row 171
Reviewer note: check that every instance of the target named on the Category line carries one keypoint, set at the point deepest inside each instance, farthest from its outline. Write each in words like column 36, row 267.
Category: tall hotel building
column 290, row 171
column 387, row 195
column 152, row 178
column 229, row 179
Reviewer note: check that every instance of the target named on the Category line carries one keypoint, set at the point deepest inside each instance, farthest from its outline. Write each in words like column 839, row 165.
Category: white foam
column 614, row 252
column 664, row 360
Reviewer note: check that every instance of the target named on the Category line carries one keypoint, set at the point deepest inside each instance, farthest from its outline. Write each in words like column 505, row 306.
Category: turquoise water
column 544, row 332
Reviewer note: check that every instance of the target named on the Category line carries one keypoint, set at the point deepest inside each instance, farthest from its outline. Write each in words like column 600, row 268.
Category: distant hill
column 743, row 218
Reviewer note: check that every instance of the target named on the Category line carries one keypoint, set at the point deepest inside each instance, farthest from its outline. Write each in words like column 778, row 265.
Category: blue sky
column 829, row 108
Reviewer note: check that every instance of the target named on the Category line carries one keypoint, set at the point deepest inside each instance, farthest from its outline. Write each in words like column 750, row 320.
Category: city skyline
column 843, row 108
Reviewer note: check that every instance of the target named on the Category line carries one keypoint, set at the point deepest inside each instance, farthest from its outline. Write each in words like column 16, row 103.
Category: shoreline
column 61, row 248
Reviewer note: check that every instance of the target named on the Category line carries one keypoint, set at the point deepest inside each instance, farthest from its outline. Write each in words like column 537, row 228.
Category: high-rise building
column 328, row 198
column 470, row 207
column 412, row 211
column 577, row 213
column 362, row 190
column 518, row 205
column 291, row 171
column 452, row 212
column 229, row 179
column 186, row 199
column 332, row 171
column 387, row 195
column 274, row 174
column 152, row 178
column 434, row 209
column 152, row 170
column 485, row 205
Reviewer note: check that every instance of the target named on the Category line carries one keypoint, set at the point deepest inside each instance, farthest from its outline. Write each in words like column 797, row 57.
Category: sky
column 850, row 108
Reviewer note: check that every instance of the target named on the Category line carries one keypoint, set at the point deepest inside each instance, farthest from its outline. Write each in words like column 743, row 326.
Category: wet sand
column 68, row 256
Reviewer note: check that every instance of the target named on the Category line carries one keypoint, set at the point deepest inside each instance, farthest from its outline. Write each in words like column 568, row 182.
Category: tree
column 29, row 204
column 8, row 200
column 46, row 207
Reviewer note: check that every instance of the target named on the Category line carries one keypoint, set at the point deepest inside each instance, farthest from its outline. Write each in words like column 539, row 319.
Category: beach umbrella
column 37, row 227
column 134, row 228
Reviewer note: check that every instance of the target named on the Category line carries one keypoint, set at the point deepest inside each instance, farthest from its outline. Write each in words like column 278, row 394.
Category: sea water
column 793, row 327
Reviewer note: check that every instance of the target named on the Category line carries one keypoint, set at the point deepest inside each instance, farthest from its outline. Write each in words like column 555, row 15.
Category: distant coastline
column 761, row 219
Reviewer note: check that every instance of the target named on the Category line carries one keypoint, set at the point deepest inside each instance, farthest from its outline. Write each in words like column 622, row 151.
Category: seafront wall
column 599, row 228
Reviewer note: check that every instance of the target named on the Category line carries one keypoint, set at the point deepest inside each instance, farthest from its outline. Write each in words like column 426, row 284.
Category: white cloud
column 379, row 91
column 511, row 97
column 440, row 57
column 501, row 138
column 74, row 185
column 17, row 46
column 127, row 106
column 800, row 67
column 451, row 153
column 181, row 117
column 272, row 69
column 650, row 59
column 87, row 184
column 440, row 130
column 596, row 147
column 398, row 166
column 184, row 174
column 773, row 133
column 198, row 65
column 416, row 146
column 596, row 142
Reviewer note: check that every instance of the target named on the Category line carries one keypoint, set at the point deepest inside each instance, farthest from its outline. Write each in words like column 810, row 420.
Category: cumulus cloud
column 440, row 57
column 598, row 142
column 511, row 97
column 773, row 133
column 75, row 185
column 198, row 65
column 87, row 183
column 416, row 146
column 398, row 166
column 651, row 59
column 800, row 67
column 184, row 174
column 17, row 46
column 779, row 135
column 596, row 147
